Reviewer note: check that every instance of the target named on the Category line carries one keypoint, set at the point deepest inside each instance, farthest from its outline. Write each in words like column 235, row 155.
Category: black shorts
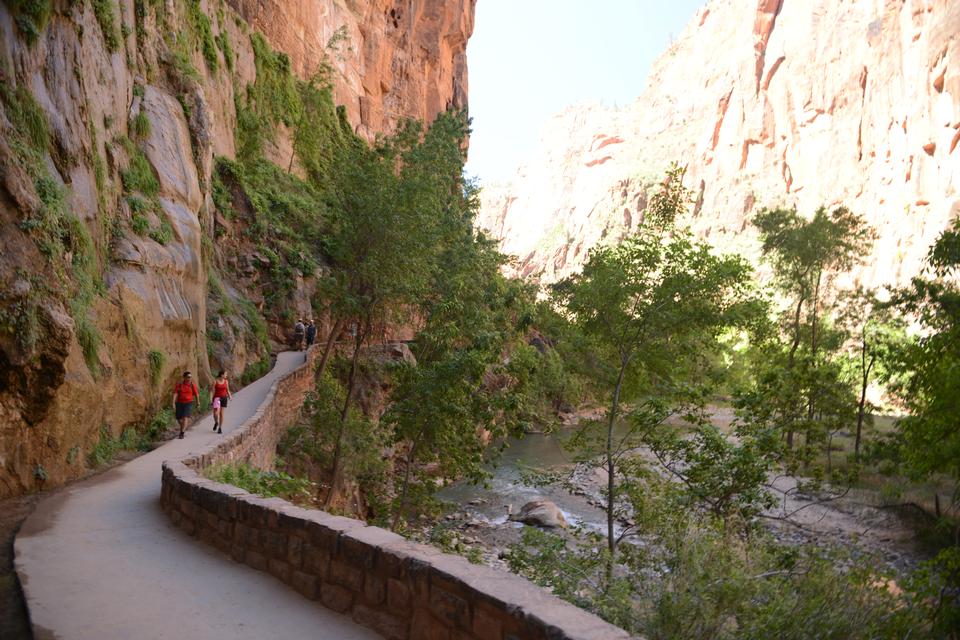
column 184, row 409
column 223, row 401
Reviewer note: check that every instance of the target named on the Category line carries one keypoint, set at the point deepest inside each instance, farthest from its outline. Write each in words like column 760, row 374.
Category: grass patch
column 140, row 126
column 269, row 484
column 155, row 360
column 202, row 33
column 223, row 43
column 106, row 18
column 140, row 224
column 180, row 61
column 89, row 338
column 139, row 176
column 31, row 16
column 109, row 445
column 163, row 234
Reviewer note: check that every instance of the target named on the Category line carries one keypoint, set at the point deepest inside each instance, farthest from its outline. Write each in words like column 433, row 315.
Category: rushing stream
column 850, row 522
column 507, row 487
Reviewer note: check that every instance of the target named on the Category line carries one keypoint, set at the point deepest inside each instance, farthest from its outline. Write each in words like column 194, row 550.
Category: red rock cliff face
column 767, row 103
column 401, row 59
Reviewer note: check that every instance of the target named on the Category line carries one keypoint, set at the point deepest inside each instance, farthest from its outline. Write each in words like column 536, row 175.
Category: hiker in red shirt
column 184, row 395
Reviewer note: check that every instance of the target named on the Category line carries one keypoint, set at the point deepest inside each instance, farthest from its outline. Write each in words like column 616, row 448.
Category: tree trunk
column 344, row 412
column 611, row 482
column 811, row 400
column 862, row 406
column 406, row 485
column 328, row 348
column 793, row 353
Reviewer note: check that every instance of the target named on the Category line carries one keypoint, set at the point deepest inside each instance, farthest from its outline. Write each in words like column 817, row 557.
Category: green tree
column 463, row 393
column 875, row 332
column 930, row 436
column 399, row 208
column 650, row 306
column 806, row 256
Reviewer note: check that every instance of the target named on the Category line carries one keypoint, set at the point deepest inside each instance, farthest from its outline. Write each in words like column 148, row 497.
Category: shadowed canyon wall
column 91, row 346
column 767, row 103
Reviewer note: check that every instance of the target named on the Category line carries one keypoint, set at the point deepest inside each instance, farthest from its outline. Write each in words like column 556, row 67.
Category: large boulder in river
column 541, row 513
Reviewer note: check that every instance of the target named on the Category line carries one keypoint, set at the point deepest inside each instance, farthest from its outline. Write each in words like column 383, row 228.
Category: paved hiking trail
column 100, row 560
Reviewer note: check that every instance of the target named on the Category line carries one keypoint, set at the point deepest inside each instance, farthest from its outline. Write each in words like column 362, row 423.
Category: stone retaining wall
column 400, row 589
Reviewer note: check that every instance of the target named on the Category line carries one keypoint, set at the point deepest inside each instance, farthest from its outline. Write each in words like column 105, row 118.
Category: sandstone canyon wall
column 767, row 103
column 92, row 346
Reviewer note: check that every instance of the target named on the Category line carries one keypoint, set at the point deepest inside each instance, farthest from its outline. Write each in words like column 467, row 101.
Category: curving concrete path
column 100, row 559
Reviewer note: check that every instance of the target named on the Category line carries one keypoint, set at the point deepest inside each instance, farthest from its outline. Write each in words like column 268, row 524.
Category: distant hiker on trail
column 184, row 395
column 221, row 395
column 311, row 334
column 298, row 331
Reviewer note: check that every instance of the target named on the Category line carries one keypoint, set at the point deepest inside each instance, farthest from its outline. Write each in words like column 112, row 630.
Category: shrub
column 156, row 427
column 255, row 370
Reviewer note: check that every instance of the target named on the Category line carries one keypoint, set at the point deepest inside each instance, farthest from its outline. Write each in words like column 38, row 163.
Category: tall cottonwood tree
column 650, row 307
column 806, row 256
column 400, row 207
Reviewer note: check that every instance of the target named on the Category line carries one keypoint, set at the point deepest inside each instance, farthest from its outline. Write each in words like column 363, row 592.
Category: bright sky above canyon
column 531, row 58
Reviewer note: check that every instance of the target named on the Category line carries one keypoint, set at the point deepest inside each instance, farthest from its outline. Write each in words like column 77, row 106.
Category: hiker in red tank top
column 221, row 395
column 184, row 395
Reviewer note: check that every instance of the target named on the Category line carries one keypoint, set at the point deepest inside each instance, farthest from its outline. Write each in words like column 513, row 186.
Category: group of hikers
column 186, row 395
column 304, row 334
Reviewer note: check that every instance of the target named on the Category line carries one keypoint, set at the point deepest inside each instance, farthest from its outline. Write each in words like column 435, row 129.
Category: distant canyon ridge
column 766, row 103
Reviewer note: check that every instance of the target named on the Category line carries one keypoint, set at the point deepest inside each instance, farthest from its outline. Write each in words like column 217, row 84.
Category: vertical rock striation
column 767, row 103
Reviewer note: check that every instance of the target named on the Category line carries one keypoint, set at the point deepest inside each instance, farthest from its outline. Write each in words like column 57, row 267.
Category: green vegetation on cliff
column 58, row 234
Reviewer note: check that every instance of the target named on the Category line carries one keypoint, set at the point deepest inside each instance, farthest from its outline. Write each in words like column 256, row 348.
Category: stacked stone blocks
column 402, row 590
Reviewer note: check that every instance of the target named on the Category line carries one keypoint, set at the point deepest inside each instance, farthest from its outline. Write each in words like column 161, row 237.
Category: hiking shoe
column 215, row 425
column 180, row 436
column 219, row 430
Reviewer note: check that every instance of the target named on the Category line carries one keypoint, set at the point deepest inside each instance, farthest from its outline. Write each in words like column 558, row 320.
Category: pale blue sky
column 529, row 59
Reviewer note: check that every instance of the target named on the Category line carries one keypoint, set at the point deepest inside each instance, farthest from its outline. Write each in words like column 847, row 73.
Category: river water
column 508, row 487
column 847, row 523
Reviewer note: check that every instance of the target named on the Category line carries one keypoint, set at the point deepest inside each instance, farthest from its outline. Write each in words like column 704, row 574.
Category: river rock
column 541, row 513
